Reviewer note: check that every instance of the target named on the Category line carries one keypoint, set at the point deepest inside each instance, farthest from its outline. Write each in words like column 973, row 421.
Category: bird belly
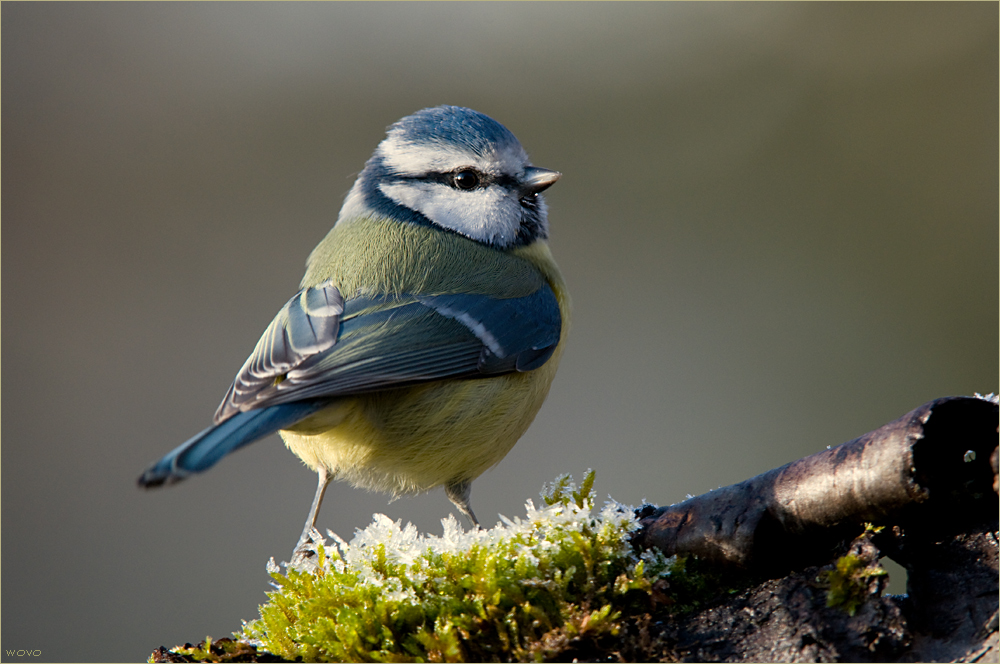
column 412, row 439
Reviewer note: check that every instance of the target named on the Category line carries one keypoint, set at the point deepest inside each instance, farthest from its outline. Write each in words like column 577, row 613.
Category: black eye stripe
column 507, row 181
column 485, row 179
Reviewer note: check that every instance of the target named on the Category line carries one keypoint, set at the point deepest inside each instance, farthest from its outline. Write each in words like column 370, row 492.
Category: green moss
column 848, row 582
column 563, row 491
column 561, row 582
column 525, row 590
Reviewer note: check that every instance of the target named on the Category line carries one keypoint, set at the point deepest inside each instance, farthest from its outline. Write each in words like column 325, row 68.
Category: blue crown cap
column 458, row 126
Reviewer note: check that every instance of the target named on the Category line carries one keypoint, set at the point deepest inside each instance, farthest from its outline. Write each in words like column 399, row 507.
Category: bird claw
column 305, row 556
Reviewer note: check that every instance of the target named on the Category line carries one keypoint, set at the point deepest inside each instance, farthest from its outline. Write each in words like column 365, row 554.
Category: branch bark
column 932, row 464
column 929, row 478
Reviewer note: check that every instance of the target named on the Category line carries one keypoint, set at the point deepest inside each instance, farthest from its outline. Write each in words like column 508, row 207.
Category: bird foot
column 305, row 556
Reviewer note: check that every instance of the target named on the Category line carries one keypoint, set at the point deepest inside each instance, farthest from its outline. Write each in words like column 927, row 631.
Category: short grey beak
column 539, row 179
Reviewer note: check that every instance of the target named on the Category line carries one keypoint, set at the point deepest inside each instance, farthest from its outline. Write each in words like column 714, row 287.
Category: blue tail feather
column 203, row 450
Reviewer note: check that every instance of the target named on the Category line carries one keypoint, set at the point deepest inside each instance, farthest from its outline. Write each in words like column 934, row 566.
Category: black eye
column 467, row 179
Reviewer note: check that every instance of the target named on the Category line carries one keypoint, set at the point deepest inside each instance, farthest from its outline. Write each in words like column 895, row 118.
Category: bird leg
column 458, row 493
column 302, row 551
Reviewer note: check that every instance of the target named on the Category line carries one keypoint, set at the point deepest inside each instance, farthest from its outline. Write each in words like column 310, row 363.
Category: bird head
column 455, row 169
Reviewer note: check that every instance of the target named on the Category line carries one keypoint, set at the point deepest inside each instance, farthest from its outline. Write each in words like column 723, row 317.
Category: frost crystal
column 992, row 398
column 404, row 545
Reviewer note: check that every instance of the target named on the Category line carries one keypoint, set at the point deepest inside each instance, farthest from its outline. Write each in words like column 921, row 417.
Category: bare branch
column 930, row 468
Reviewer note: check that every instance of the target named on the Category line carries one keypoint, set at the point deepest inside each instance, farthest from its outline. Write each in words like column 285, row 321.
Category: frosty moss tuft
column 562, row 574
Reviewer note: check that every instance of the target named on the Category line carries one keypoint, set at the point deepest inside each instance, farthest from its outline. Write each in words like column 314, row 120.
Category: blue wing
column 384, row 341
column 305, row 327
column 320, row 347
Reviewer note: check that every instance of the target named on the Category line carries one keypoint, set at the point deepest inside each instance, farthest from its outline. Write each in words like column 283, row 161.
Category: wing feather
column 306, row 326
column 320, row 345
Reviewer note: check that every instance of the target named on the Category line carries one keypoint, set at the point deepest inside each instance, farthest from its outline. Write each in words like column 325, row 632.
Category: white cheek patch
column 486, row 215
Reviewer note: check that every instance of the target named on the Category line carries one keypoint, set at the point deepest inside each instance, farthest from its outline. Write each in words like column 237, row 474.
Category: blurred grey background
column 778, row 223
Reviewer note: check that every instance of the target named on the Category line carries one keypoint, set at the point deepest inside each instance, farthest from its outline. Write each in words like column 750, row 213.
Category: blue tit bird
column 428, row 327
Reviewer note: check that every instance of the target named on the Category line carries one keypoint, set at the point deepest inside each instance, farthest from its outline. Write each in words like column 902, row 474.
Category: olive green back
column 378, row 255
